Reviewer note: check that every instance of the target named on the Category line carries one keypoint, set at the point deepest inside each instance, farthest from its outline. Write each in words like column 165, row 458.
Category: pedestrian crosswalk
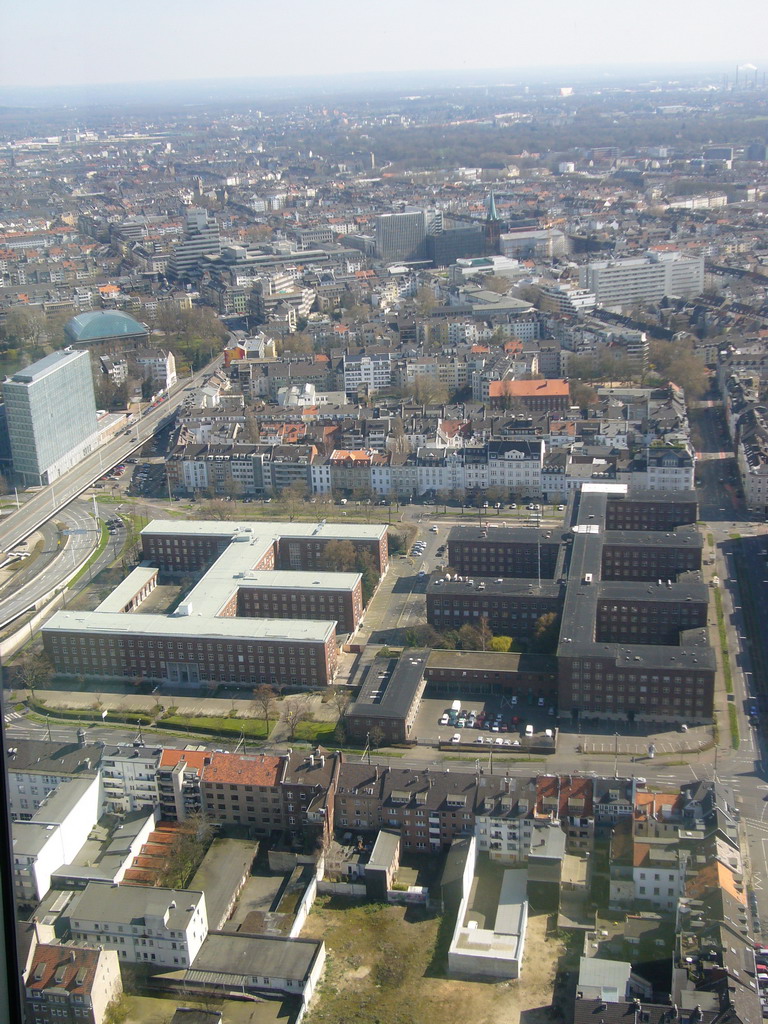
column 12, row 716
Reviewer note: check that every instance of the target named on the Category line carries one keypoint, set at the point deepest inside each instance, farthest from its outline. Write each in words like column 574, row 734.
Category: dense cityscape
column 384, row 475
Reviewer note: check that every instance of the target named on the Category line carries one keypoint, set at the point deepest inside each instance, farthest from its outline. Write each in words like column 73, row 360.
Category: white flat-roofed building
column 648, row 278
column 53, row 837
column 485, row 945
column 246, row 622
column 145, row 924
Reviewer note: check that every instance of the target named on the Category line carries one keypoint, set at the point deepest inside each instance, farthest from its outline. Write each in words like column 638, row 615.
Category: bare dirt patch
column 387, row 964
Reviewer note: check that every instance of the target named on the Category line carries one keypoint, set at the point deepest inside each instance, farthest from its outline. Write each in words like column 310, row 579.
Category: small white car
column 456, row 738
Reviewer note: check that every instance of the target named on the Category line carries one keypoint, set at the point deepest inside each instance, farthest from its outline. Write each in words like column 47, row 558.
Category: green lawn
column 251, row 728
column 103, row 541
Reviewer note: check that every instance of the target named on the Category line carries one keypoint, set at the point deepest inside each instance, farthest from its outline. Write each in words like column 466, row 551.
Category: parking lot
column 496, row 719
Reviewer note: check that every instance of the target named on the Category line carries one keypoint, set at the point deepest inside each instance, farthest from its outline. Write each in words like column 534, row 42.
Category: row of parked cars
column 761, row 974
column 494, row 722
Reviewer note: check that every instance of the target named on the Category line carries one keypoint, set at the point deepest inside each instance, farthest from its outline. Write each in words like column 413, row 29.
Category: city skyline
column 45, row 45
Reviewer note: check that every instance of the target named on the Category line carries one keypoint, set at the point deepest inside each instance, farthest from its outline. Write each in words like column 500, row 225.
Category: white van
column 529, row 730
column 456, row 706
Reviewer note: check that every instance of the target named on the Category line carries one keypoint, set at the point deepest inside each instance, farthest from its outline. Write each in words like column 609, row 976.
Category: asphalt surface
column 42, row 505
column 400, row 604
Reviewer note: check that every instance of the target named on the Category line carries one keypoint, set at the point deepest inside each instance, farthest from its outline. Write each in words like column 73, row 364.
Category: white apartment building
column 158, row 366
column 34, row 772
column 625, row 282
column 660, row 878
column 320, row 476
column 668, row 469
column 129, row 778
column 145, row 924
column 372, row 371
column 505, row 833
column 53, row 837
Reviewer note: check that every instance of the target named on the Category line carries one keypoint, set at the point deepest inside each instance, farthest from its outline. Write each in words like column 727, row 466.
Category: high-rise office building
column 51, row 415
column 401, row 236
column 644, row 278
column 201, row 238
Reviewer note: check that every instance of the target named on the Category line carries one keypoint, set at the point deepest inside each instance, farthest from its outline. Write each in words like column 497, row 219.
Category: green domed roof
column 102, row 324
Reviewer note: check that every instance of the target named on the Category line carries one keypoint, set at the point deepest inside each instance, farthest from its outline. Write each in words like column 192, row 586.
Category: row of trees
column 295, row 709
column 478, row 636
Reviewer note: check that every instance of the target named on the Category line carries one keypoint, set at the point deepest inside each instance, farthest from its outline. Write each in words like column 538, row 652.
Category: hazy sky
column 77, row 42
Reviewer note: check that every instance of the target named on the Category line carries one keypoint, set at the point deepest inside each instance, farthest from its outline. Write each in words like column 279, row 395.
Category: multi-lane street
column 400, row 604
column 41, row 505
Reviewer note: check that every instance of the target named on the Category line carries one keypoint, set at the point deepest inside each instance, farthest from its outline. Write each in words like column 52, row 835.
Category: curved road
column 45, row 503
column 47, row 572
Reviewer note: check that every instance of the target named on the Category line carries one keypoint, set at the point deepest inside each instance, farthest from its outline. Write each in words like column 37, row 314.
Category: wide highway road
column 43, row 504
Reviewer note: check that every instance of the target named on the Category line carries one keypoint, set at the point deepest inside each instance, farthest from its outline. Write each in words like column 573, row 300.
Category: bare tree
column 35, row 671
column 340, row 698
column 376, row 736
column 265, row 696
column 295, row 711
column 217, row 508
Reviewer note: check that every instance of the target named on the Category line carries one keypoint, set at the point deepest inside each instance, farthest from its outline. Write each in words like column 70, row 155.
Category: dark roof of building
column 505, row 535
column 52, row 758
column 490, row 661
column 506, row 587
column 595, row 1011
column 390, row 687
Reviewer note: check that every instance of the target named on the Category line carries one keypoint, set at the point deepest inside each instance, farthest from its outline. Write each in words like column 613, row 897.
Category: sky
column 84, row 42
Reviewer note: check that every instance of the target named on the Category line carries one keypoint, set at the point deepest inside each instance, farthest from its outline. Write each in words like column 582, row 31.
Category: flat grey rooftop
column 389, row 687
column 216, row 528
column 132, row 904
column 229, row 956
column 192, row 626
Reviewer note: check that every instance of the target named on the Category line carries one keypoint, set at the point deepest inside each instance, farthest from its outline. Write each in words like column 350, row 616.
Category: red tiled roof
column 556, row 388
column 194, row 758
column 64, row 967
column 256, row 770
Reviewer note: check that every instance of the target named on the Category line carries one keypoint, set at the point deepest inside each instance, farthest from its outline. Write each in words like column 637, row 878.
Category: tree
column 428, row 391
column 370, row 577
column 340, row 698
column 265, row 697
column 25, row 328
column 338, row 556
column 298, row 344
column 425, row 300
column 501, row 644
column 582, row 395
column 292, row 499
column 295, row 711
column 422, row 636
column 35, row 671
column 376, row 737
column 678, row 362
column 476, row 637
column 191, row 840
column 496, row 283
column 217, row 508
column 546, row 633
column 470, row 638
